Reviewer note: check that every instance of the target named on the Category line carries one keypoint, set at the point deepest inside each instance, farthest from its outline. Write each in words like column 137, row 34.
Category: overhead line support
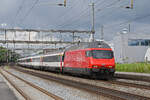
column 51, row 30
column 93, row 22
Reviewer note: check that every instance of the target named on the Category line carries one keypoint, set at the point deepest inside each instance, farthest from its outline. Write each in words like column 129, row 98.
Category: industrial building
column 131, row 47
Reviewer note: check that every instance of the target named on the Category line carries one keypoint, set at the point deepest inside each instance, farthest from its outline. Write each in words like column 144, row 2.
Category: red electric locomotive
column 94, row 59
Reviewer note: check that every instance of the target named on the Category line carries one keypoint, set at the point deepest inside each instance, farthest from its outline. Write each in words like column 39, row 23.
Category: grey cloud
column 48, row 16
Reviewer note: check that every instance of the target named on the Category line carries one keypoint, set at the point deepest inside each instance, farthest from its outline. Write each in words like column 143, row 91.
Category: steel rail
column 135, row 85
column 132, row 78
column 16, row 88
column 111, row 93
column 36, row 87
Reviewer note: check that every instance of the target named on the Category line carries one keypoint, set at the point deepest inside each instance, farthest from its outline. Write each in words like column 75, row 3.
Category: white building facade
column 131, row 47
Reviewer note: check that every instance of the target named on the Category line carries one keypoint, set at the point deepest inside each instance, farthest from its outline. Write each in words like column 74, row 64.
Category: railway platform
column 5, row 92
column 133, row 75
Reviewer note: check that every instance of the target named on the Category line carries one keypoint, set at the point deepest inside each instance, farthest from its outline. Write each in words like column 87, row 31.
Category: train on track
column 92, row 59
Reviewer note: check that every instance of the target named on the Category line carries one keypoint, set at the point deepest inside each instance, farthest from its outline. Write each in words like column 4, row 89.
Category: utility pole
column 93, row 20
column 131, row 4
column 129, row 27
column 6, row 46
column 7, row 54
column 29, row 39
column 102, row 32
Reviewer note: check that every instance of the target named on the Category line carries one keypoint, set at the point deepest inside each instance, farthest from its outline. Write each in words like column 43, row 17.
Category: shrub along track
column 107, row 92
column 26, row 97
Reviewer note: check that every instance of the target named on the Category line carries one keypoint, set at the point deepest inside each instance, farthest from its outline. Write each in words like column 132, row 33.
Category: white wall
column 129, row 54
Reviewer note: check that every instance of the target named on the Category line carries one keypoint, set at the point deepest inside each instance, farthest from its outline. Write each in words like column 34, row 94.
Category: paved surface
column 5, row 92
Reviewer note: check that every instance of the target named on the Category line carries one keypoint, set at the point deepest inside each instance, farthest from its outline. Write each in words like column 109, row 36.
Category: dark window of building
column 145, row 42
column 139, row 42
column 133, row 42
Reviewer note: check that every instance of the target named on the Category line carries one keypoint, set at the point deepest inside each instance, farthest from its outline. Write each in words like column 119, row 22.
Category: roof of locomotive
column 95, row 44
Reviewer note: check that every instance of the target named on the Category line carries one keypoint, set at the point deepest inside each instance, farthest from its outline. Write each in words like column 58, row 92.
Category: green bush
column 7, row 54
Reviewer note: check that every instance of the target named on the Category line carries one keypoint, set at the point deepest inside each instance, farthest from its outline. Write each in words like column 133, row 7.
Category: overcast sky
column 77, row 15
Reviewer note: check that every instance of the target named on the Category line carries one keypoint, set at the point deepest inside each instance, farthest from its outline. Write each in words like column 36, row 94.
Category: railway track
column 23, row 94
column 110, row 93
column 140, row 86
column 133, row 77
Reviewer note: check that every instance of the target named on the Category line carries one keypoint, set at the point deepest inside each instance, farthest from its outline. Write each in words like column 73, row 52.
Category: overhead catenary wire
column 76, row 19
column 81, row 14
column 70, row 18
column 129, row 21
column 106, row 7
column 67, row 16
column 62, row 15
column 123, row 6
column 29, row 11
column 18, row 12
column 110, row 8
column 110, row 5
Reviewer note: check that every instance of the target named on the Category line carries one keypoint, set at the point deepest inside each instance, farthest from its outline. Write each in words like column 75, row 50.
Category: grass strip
column 134, row 67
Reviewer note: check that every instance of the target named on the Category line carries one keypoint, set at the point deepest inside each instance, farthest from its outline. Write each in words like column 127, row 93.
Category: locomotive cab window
column 88, row 53
column 100, row 54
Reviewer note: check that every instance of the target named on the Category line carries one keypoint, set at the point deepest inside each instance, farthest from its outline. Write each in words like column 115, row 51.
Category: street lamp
column 122, row 34
column 131, row 6
column 63, row 4
column 60, row 4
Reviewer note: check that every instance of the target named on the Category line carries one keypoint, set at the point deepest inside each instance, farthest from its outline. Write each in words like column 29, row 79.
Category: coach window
column 28, row 60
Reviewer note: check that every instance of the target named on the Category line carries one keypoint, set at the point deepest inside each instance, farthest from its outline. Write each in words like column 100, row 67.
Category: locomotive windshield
column 100, row 54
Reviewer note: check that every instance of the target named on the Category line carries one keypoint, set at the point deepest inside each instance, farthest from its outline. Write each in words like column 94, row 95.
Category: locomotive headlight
column 95, row 66
column 110, row 66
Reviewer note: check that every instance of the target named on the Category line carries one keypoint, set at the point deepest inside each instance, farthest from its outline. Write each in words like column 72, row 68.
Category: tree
column 3, row 55
column 7, row 54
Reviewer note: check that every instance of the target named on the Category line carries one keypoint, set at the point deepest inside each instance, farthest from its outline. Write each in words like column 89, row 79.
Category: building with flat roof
column 131, row 47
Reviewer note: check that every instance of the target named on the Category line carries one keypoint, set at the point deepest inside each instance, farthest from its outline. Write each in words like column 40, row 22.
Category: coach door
column 62, row 62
